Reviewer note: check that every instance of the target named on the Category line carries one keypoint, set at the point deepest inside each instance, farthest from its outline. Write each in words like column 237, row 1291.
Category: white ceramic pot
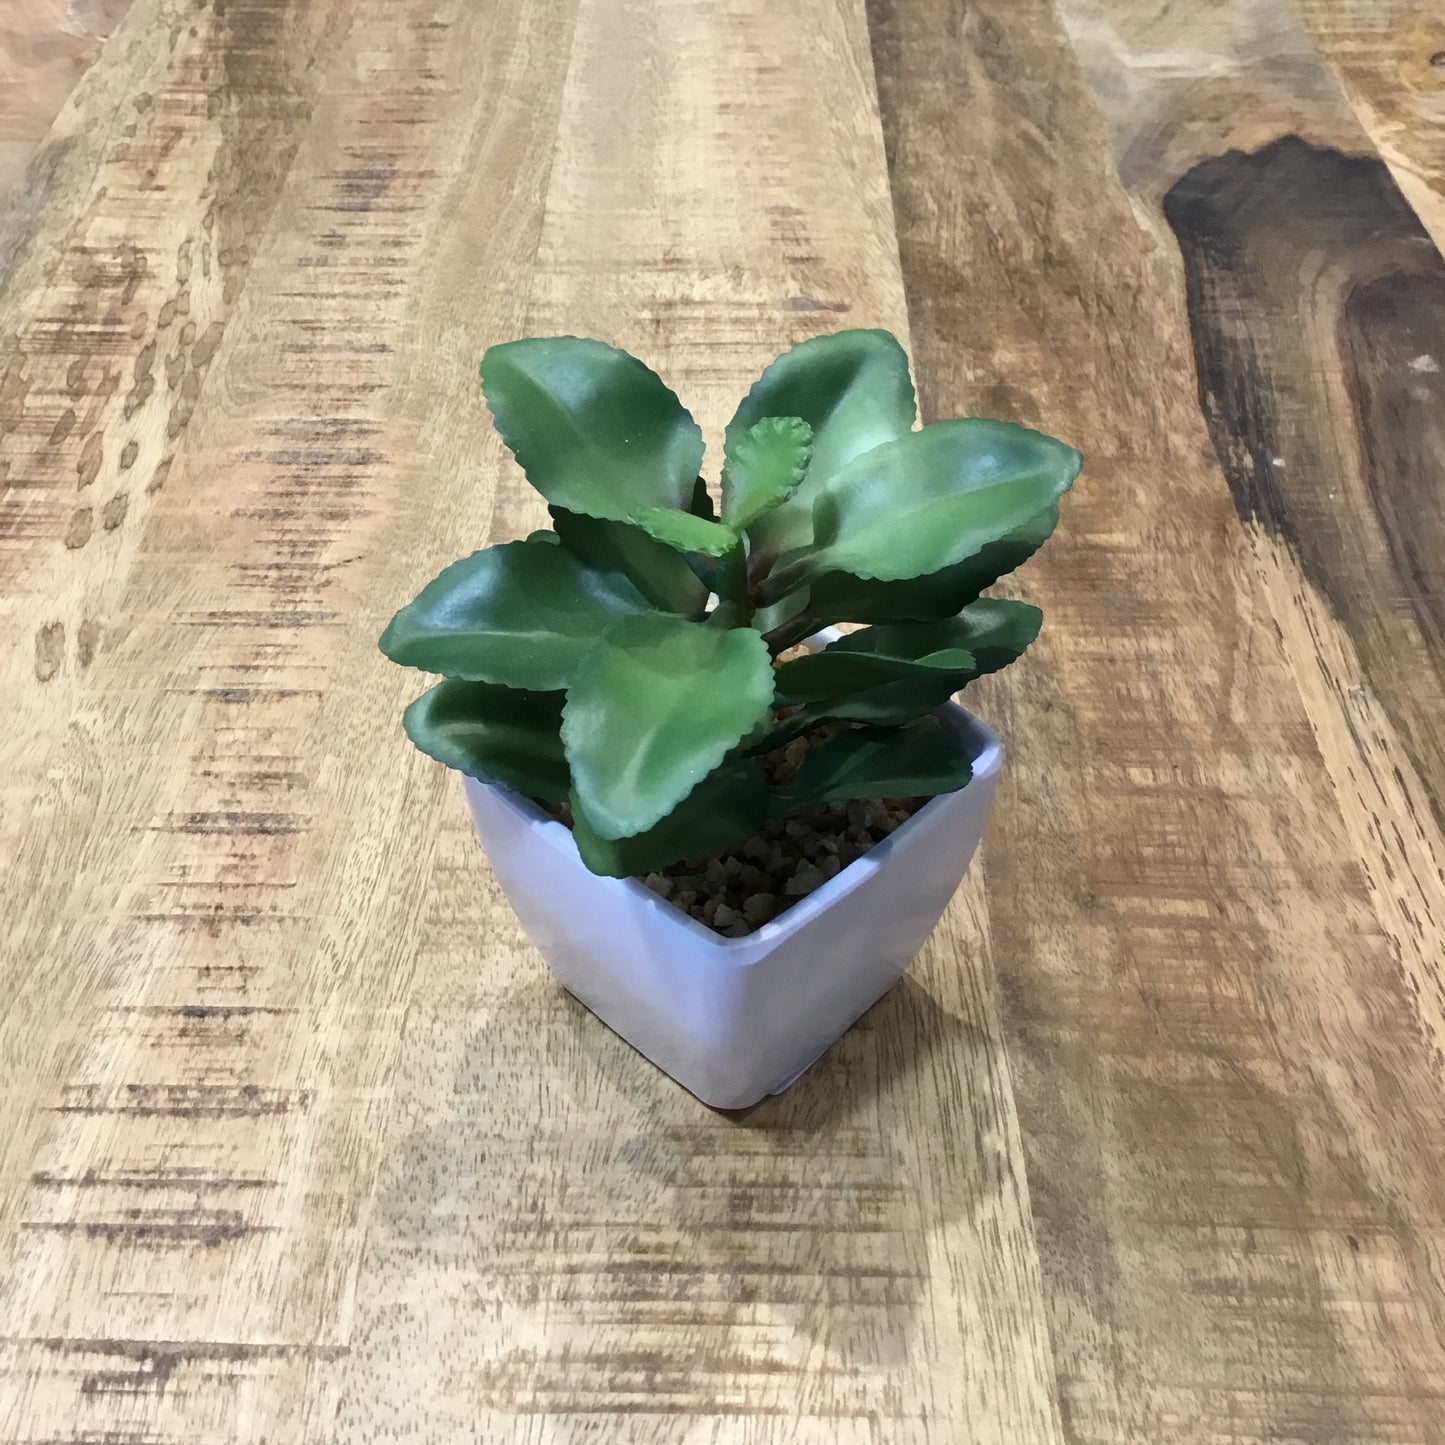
column 736, row 1019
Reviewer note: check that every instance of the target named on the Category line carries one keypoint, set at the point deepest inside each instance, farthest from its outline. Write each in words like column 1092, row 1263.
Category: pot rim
column 984, row 751
column 985, row 759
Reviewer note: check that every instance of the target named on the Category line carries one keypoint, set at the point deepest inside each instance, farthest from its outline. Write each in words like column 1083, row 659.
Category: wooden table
column 297, row 1139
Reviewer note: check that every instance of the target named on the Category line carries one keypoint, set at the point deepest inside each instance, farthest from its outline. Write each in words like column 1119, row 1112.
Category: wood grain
column 1389, row 55
column 297, row 1140
column 854, row 1257
column 1329, row 432
column 1220, row 968
column 46, row 46
column 319, row 1150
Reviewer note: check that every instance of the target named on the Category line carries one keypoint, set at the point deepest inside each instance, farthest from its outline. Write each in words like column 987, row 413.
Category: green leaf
column 853, row 390
column 763, row 467
column 704, row 568
column 935, row 497
column 864, row 687
column 502, row 735
column 686, row 532
column 830, row 672
column 728, row 806
column 996, row 630
column 655, row 569
column 837, row 597
column 522, row 614
column 653, row 710
column 918, row 761
column 594, row 429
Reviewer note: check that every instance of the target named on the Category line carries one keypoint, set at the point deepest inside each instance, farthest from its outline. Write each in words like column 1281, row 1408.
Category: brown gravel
column 735, row 892
column 785, row 860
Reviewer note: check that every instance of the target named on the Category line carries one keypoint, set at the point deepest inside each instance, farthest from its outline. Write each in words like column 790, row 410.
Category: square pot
column 736, row 1019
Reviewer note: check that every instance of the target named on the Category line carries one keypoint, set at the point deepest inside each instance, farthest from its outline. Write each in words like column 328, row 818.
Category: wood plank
column 1215, row 877
column 584, row 1250
column 1389, row 56
column 220, row 850
column 46, row 46
column 298, row 1142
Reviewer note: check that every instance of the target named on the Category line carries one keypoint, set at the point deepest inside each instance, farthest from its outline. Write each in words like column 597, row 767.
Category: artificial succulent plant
column 625, row 660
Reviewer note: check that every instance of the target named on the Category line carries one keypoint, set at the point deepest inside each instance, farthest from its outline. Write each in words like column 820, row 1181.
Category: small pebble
column 758, row 907
column 785, row 860
column 804, row 881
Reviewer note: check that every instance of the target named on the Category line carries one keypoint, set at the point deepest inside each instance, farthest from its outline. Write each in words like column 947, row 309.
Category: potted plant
column 726, row 845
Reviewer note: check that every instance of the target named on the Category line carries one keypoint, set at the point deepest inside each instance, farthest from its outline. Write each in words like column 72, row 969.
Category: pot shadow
column 570, row 1181
column 879, row 1056
column 904, row 1030
column 827, row 1204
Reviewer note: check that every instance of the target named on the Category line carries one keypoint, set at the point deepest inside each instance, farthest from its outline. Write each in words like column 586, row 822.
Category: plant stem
column 732, row 583
column 794, row 630
column 787, row 578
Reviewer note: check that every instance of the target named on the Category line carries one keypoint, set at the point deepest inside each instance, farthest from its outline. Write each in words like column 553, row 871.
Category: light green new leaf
column 685, row 531
column 837, row 597
column 916, row 761
column 996, row 630
column 653, row 710
column 935, row 497
column 502, row 735
column 727, row 807
column 522, row 614
column 853, row 389
column 654, row 568
column 763, row 467
column 594, row 429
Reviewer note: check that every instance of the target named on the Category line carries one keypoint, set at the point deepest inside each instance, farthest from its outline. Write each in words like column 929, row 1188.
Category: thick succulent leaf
column 685, row 531
column 886, row 691
column 917, row 761
column 704, row 568
column 763, row 467
column 894, row 703
column 653, row 710
column 502, row 735
column 837, row 597
column 935, row 497
column 522, row 614
column 833, row 671
column 995, row 630
column 654, row 568
column 724, row 809
column 891, row 704
column 594, row 429
column 853, row 389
